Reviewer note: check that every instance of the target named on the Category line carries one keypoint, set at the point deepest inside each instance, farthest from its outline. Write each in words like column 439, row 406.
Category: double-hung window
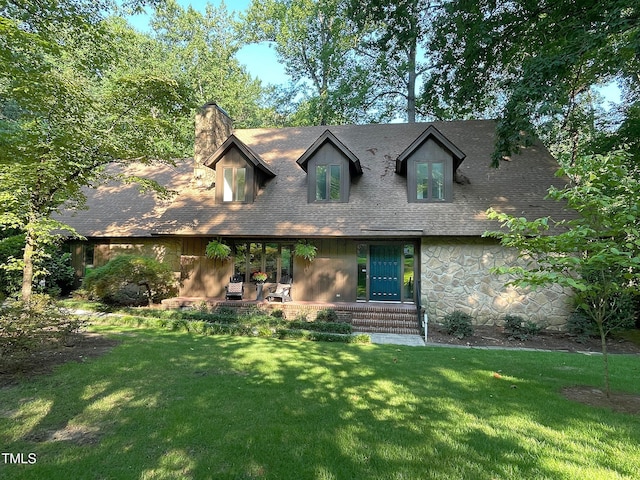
column 234, row 186
column 328, row 183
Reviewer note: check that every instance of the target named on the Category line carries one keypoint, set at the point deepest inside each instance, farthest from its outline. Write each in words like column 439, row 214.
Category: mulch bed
column 494, row 336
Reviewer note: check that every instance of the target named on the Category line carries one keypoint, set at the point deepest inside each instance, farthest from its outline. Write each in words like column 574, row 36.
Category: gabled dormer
column 429, row 164
column 330, row 168
column 240, row 172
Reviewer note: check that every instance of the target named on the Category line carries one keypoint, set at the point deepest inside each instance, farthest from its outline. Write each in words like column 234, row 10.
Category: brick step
column 407, row 316
column 408, row 324
column 396, row 330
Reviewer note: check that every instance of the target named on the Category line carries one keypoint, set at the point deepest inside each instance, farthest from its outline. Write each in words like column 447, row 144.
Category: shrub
column 277, row 313
column 458, row 324
column 581, row 326
column 131, row 280
column 327, row 315
column 26, row 327
column 519, row 329
column 51, row 265
column 11, row 250
column 327, row 327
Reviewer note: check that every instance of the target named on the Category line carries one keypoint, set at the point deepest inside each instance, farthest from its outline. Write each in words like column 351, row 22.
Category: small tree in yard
column 597, row 254
column 110, row 282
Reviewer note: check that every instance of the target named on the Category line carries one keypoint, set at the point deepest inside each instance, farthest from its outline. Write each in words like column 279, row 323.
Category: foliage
column 71, row 102
column 26, row 327
column 277, row 313
column 222, row 322
column 458, row 324
column 391, row 35
column 327, row 315
column 597, row 254
column 51, row 266
column 259, row 277
column 519, row 329
column 218, row 250
column 316, row 42
column 534, row 64
column 202, row 47
column 582, row 326
column 119, row 281
column 11, row 249
column 305, row 250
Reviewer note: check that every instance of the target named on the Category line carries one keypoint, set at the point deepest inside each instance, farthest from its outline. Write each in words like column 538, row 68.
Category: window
column 235, row 180
column 430, row 181
column 328, row 183
column 272, row 258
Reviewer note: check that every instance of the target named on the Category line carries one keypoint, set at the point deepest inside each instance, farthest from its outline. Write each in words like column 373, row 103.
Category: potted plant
column 218, row 251
column 259, row 278
column 305, row 250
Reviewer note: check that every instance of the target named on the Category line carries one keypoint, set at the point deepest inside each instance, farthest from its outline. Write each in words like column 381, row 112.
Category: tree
column 535, row 62
column 316, row 42
column 67, row 109
column 200, row 48
column 596, row 254
column 118, row 281
column 391, row 35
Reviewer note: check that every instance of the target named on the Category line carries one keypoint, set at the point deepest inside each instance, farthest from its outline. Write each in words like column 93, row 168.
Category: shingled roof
column 377, row 206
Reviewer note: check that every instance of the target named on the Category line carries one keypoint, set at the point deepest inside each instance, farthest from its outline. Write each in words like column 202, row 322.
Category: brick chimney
column 213, row 126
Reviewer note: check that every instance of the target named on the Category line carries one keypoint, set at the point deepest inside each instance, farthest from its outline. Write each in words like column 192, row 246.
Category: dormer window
column 330, row 167
column 235, row 183
column 328, row 183
column 430, row 181
column 429, row 163
column 240, row 172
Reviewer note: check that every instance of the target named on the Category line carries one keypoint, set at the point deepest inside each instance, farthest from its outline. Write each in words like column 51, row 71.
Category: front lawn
column 176, row 405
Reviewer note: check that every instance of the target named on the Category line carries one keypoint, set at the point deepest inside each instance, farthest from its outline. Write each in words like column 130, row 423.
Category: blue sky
column 259, row 59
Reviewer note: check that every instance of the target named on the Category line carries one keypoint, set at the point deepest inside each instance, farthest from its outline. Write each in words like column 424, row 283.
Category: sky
column 259, row 59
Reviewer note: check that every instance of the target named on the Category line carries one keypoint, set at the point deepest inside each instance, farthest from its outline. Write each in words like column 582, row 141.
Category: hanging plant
column 305, row 250
column 218, row 250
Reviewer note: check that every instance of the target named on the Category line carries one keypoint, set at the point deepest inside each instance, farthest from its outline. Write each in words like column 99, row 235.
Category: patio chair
column 281, row 291
column 235, row 288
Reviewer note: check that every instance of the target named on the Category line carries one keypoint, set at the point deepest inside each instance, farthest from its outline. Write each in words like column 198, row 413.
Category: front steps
column 366, row 317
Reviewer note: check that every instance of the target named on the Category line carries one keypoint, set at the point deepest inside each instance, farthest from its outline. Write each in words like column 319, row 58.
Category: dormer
column 429, row 164
column 240, row 172
column 330, row 168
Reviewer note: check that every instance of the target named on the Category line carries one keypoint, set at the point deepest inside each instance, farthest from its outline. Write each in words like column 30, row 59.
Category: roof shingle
column 377, row 204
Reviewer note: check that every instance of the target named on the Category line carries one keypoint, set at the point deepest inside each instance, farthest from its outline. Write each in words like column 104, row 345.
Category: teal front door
column 385, row 272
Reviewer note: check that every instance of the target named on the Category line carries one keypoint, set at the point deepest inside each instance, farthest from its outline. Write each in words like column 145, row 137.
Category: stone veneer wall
column 455, row 275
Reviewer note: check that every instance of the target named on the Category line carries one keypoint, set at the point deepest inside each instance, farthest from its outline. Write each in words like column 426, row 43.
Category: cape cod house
column 396, row 211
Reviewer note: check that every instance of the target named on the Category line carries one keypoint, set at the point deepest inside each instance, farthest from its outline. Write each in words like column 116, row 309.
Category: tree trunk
column 605, row 358
column 411, row 83
column 27, row 270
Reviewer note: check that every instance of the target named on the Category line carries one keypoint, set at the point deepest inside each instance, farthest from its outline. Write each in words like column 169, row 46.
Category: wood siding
column 331, row 277
column 201, row 276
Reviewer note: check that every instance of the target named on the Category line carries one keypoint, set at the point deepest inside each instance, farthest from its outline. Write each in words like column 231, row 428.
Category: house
column 396, row 211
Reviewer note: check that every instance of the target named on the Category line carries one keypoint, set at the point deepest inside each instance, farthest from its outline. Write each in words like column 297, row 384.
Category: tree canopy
column 535, row 64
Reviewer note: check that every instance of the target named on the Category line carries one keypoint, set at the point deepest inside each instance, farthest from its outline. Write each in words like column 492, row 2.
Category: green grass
column 177, row 405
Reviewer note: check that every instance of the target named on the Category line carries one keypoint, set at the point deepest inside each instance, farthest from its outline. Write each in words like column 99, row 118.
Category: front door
column 385, row 272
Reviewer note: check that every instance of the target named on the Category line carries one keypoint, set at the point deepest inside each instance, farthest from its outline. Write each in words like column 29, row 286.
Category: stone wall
column 455, row 275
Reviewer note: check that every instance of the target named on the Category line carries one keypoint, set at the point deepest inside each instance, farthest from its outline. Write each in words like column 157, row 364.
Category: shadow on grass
column 170, row 405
